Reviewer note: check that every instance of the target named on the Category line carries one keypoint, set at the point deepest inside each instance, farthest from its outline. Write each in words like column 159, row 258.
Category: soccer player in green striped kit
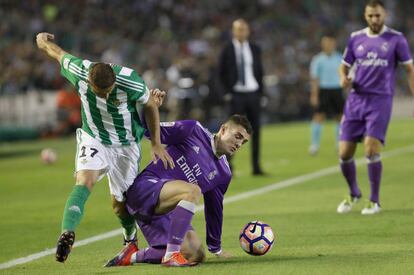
column 109, row 141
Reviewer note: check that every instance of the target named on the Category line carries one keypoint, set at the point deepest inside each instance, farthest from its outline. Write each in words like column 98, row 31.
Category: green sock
column 128, row 223
column 74, row 207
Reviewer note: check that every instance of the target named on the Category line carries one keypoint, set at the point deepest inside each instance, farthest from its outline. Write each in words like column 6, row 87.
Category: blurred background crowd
column 175, row 46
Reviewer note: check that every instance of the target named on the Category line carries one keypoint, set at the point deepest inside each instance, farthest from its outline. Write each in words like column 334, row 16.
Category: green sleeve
column 73, row 69
column 130, row 81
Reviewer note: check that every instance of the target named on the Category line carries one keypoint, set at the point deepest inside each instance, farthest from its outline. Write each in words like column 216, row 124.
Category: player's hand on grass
column 159, row 152
column 158, row 96
column 42, row 39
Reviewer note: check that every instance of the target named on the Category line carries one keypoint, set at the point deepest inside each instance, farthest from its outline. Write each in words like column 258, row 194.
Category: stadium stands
column 169, row 40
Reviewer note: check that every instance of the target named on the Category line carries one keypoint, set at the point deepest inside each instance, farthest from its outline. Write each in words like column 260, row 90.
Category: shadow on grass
column 335, row 257
column 248, row 260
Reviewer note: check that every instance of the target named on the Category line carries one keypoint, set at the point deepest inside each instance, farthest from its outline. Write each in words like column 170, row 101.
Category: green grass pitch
column 311, row 238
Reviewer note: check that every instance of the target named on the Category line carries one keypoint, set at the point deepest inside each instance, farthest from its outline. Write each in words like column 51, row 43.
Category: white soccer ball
column 48, row 156
column 256, row 238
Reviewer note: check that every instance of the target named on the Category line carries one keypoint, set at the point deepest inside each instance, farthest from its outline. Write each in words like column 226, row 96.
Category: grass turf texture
column 310, row 237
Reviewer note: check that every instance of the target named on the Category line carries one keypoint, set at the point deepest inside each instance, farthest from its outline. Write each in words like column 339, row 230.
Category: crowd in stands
column 175, row 44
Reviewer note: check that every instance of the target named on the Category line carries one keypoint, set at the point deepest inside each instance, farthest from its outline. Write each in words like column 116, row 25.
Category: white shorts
column 121, row 164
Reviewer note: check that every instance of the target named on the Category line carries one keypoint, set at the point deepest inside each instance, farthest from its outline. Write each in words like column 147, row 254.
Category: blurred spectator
column 148, row 35
column 68, row 111
column 184, row 97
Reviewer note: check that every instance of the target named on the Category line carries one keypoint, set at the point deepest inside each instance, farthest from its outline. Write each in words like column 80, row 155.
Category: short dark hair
column 329, row 33
column 374, row 3
column 242, row 121
column 102, row 75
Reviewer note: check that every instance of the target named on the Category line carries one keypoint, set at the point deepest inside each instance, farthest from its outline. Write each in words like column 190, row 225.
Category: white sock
column 133, row 258
column 129, row 237
column 171, row 249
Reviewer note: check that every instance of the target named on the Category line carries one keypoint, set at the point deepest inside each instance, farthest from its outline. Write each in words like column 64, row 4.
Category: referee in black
column 241, row 76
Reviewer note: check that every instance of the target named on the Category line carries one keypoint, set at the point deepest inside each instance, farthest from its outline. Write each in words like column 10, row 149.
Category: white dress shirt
column 250, row 83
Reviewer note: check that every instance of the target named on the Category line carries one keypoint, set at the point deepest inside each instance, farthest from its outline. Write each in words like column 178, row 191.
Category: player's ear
column 223, row 129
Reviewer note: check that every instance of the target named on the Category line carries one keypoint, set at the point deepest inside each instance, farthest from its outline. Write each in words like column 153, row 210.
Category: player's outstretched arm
column 152, row 119
column 409, row 69
column 43, row 41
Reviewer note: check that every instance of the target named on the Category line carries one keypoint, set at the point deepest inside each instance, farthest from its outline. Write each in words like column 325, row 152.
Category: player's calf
column 192, row 194
column 127, row 221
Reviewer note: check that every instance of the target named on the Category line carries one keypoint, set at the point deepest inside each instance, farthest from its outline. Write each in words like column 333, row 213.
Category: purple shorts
column 365, row 115
column 142, row 198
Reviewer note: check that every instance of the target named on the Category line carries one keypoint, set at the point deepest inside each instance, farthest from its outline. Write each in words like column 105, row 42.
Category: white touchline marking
column 51, row 251
column 234, row 198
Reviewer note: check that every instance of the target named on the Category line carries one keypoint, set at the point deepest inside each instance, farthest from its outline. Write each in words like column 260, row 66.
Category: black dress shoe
column 259, row 173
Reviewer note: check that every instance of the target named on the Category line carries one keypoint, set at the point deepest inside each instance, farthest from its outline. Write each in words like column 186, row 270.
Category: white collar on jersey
column 384, row 29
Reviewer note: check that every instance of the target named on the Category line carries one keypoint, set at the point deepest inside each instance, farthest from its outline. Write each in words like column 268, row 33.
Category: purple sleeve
column 174, row 132
column 213, row 212
column 403, row 51
column 348, row 57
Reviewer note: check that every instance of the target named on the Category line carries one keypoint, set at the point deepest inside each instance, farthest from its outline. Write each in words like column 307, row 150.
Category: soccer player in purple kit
column 374, row 53
column 163, row 200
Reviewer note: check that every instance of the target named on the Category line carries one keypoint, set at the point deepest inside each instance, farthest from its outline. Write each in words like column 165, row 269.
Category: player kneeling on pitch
column 163, row 200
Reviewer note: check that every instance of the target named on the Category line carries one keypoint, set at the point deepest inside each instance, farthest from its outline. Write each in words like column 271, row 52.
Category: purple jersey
column 192, row 148
column 375, row 58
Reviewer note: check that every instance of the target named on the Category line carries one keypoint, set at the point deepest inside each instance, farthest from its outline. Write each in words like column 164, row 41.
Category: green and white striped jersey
column 113, row 121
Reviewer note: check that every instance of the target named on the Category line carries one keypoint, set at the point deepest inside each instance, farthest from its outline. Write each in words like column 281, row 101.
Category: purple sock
column 374, row 174
column 349, row 171
column 150, row 255
column 180, row 221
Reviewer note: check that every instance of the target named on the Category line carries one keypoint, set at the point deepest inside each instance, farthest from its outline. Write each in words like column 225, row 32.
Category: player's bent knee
column 372, row 146
column 372, row 149
column 86, row 181
column 87, row 178
column 193, row 193
column 345, row 156
column 371, row 153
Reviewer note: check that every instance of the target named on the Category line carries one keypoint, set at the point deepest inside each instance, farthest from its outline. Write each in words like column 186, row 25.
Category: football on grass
column 48, row 156
column 256, row 238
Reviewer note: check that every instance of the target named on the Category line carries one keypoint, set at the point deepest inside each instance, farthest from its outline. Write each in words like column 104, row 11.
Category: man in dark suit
column 241, row 75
